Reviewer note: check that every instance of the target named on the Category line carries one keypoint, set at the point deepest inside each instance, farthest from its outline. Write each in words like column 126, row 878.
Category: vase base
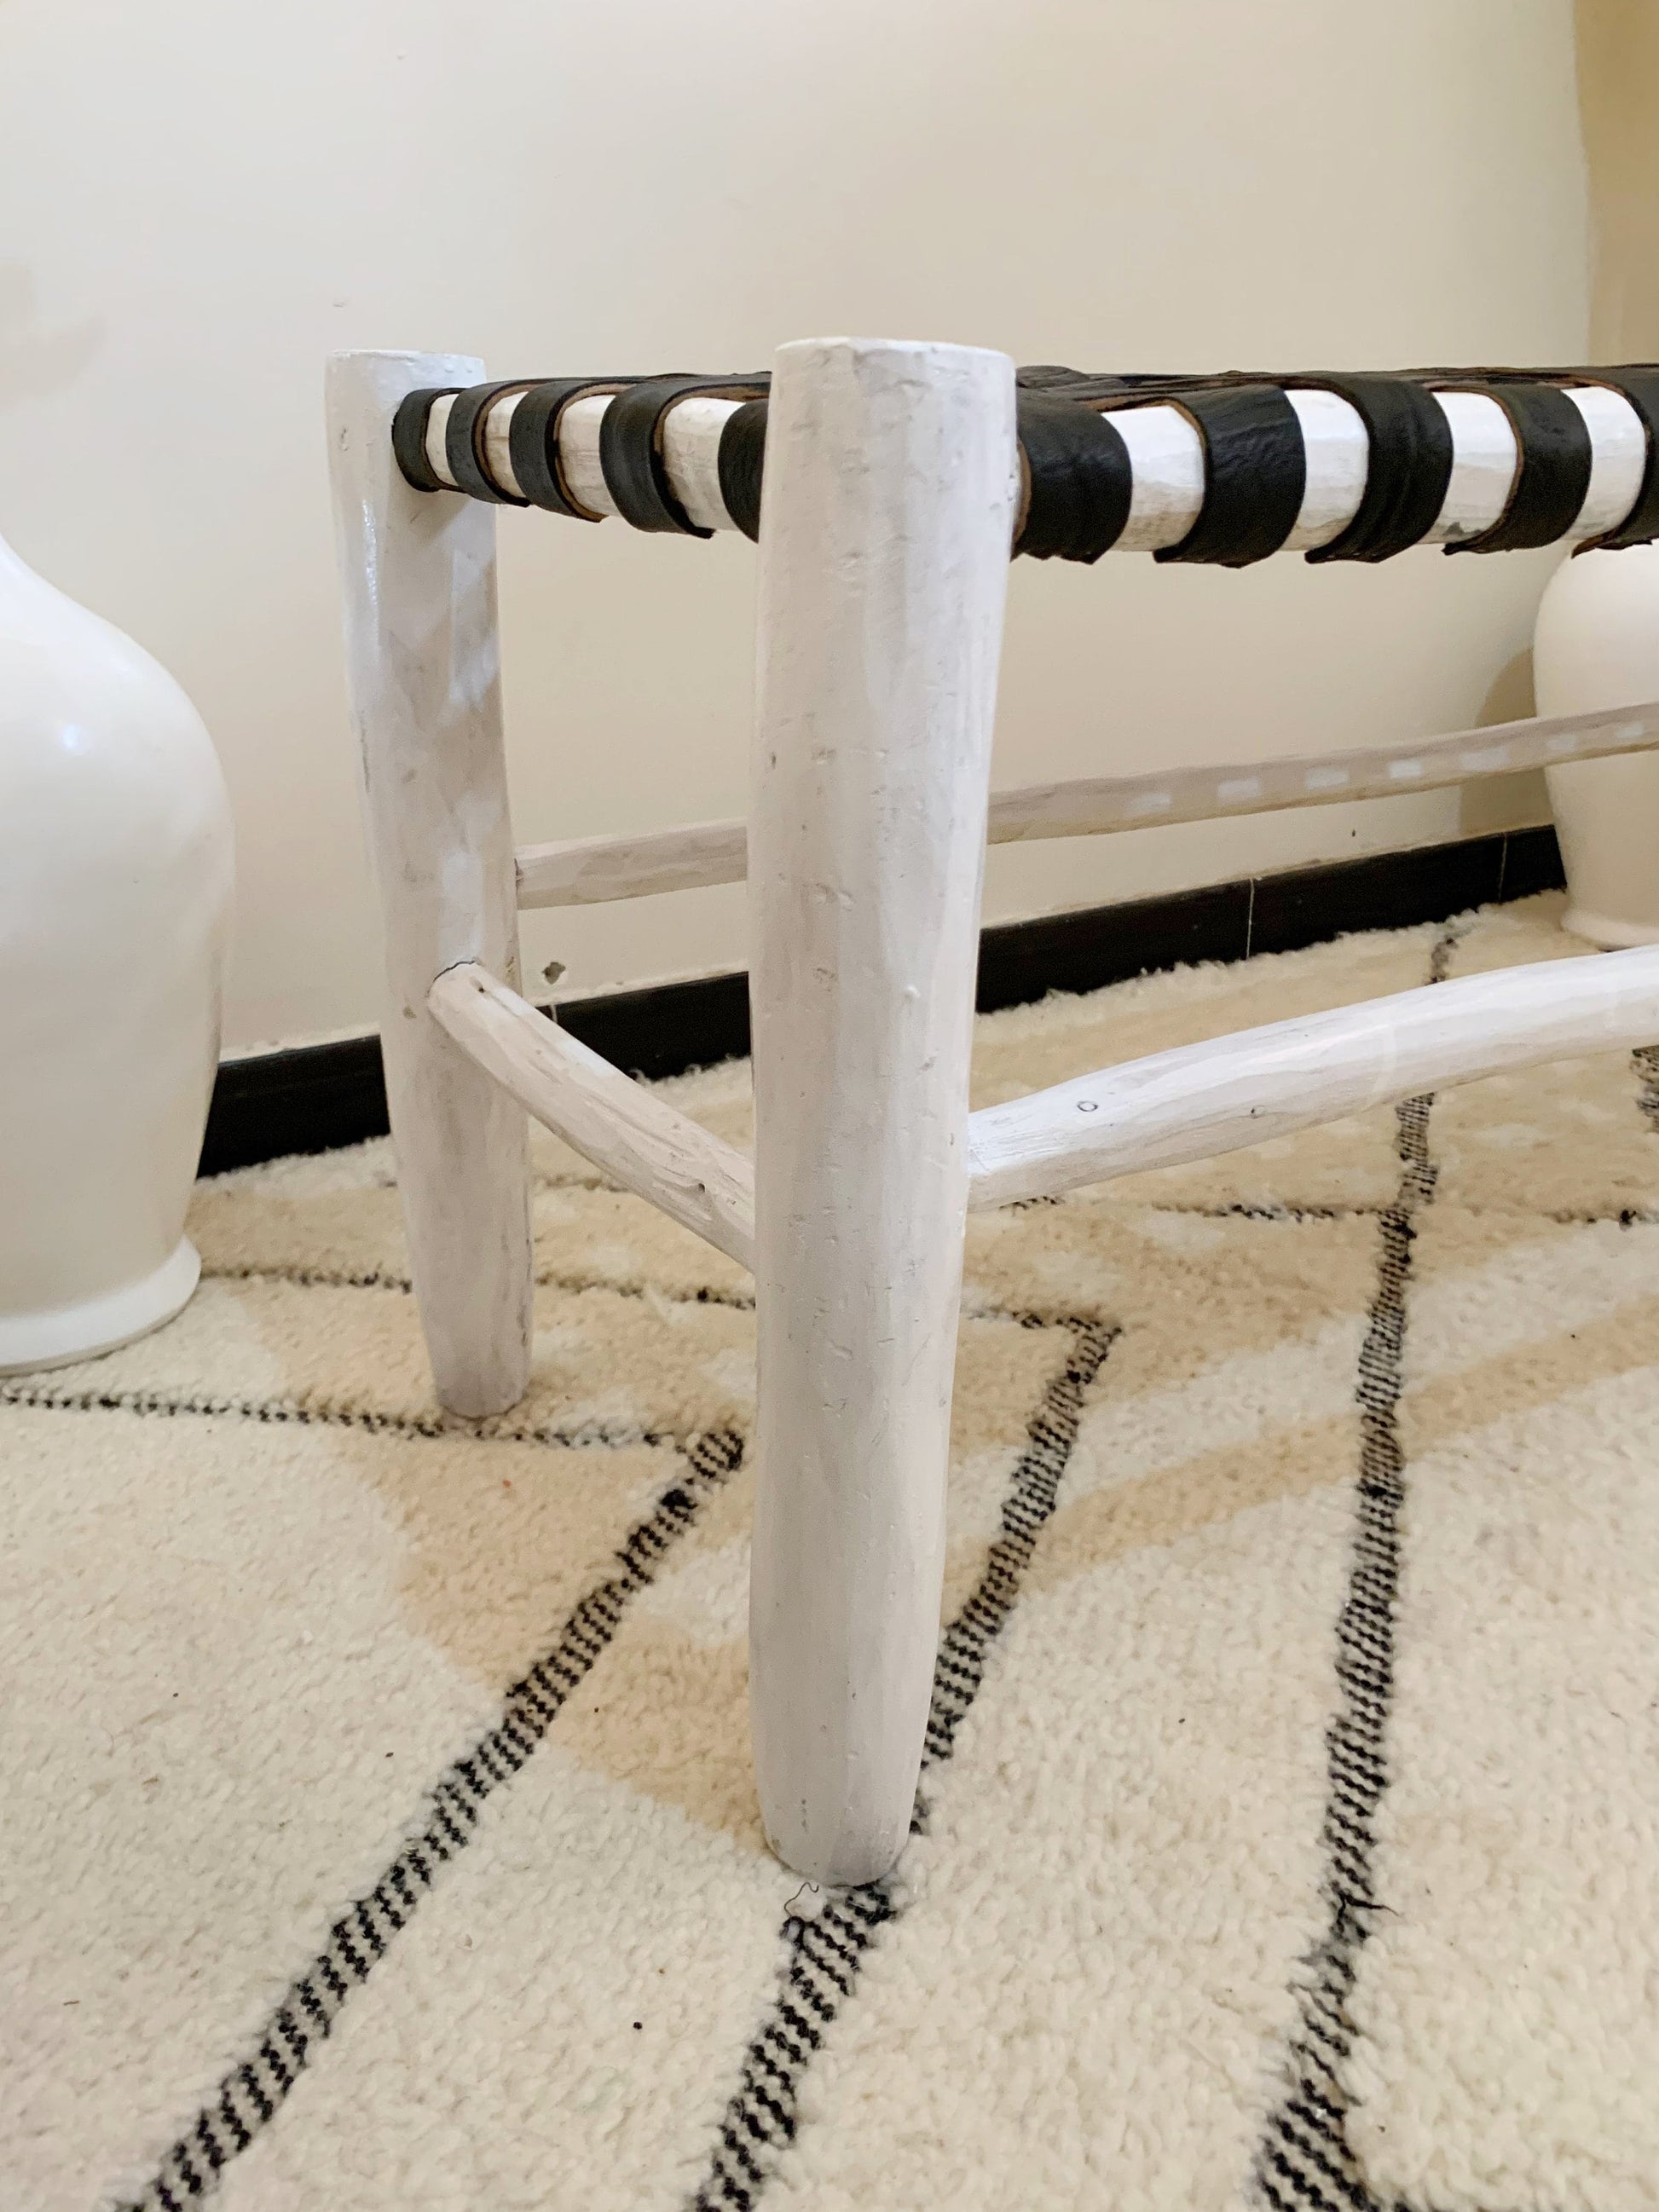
column 1603, row 930
column 64, row 1334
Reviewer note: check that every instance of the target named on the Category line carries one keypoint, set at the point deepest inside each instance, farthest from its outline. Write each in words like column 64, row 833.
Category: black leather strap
column 464, row 441
column 630, row 452
column 1554, row 470
column 1256, row 474
column 1079, row 480
column 742, row 457
column 408, row 436
column 1640, row 385
column 532, row 441
column 1409, row 469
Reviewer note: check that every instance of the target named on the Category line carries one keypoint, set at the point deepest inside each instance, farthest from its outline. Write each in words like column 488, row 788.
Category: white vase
column 1596, row 645
column 115, row 881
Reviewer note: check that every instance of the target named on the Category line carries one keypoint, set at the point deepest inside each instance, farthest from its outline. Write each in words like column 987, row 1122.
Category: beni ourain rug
column 379, row 1825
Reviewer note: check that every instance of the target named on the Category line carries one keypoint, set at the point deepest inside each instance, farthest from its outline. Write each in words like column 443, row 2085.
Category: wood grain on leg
column 883, row 555
column 418, row 572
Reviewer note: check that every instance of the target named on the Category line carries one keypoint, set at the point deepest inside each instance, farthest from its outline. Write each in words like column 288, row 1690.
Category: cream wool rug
column 379, row 1831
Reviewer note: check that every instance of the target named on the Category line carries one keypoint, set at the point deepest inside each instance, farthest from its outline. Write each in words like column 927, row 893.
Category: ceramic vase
column 115, row 884
column 1596, row 645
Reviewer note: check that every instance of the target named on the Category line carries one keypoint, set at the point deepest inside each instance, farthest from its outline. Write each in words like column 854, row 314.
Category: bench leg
column 418, row 572
column 883, row 555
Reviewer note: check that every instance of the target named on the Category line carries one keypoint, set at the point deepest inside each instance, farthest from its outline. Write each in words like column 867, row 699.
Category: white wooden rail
column 1204, row 1099
column 591, row 871
column 612, row 1120
column 1167, row 456
column 1192, row 1104
column 595, row 871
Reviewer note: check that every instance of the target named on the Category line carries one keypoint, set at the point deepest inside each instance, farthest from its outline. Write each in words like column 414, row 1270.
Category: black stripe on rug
column 589, row 1435
column 1304, row 2163
column 250, row 2094
column 825, row 1953
column 545, row 1278
column 1644, row 1062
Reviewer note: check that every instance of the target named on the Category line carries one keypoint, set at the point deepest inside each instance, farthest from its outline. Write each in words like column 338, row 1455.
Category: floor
column 379, row 1825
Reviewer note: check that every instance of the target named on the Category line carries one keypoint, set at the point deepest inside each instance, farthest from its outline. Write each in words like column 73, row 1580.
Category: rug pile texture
column 378, row 1824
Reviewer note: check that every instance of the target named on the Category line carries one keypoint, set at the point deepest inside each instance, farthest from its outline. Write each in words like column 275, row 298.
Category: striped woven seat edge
column 1221, row 469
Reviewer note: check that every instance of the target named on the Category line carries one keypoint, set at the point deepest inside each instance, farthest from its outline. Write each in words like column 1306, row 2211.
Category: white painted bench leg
column 418, row 572
column 883, row 557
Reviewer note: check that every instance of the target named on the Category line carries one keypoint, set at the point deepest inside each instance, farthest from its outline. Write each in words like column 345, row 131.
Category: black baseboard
column 318, row 1095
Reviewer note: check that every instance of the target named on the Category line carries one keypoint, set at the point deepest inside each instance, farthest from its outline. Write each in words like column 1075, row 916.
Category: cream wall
column 200, row 201
column 1618, row 99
